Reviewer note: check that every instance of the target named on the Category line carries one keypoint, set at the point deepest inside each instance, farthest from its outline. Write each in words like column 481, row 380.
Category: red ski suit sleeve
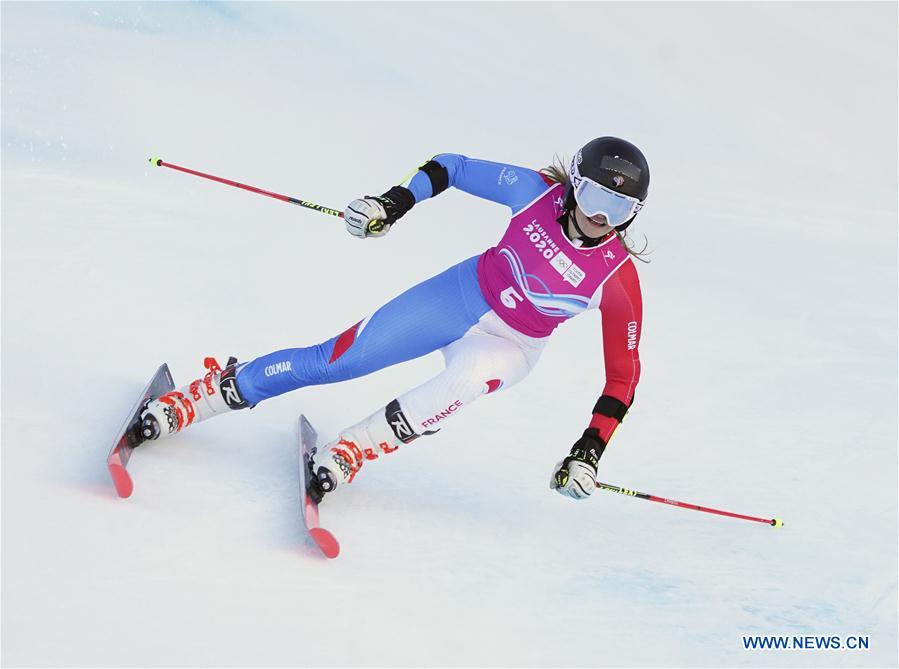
column 621, row 307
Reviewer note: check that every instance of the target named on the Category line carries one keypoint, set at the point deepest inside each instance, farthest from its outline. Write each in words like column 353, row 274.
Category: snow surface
column 769, row 352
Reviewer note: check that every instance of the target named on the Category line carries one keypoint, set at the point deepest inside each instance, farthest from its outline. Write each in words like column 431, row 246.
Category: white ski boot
column 215, row 393
column 383, row 432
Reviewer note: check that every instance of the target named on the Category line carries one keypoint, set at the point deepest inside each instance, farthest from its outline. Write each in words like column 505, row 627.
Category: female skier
column 490, row 315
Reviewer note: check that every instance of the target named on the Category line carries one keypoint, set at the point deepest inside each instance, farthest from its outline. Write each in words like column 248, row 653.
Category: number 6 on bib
column 507, row 295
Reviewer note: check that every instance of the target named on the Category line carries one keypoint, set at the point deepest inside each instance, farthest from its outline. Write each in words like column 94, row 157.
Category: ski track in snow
column 769, row 354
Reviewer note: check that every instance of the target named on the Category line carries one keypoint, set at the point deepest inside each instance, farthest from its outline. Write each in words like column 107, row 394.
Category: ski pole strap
column 611, row 407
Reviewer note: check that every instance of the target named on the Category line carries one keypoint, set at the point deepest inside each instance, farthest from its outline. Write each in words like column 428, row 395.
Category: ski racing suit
column 490, row 315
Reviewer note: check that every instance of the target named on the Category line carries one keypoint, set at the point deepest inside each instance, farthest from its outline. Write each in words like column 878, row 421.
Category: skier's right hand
column 373, row 216
column 366, row 217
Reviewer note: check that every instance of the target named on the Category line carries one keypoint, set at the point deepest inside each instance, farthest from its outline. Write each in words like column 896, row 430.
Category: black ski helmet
column 616, row 164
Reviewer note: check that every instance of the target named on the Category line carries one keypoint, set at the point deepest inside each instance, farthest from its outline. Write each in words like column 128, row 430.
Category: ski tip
column 156, row 161
column 777, row 522
column 122, row 481
column 326, row 542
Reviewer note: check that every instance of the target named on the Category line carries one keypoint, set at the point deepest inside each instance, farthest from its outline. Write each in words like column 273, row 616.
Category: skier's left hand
column 575, row 475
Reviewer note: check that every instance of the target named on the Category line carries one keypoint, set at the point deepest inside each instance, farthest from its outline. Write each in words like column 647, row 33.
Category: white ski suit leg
column 489, row 357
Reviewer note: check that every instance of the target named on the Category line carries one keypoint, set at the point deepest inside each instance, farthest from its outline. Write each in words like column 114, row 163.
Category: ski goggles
column 594, row 198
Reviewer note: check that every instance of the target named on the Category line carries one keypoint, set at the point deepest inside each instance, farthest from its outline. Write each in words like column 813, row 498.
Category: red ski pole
column 775, row 522
column 159, row 162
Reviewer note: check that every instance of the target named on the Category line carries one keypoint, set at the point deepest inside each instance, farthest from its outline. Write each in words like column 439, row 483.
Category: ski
column 129, row 436
column 323, row 539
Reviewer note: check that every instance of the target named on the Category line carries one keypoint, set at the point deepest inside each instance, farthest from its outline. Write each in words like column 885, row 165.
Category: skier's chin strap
column 583, row 236
column 568, row 215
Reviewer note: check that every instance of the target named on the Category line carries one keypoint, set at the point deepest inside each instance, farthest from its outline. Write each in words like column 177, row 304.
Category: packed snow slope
column 769, row 347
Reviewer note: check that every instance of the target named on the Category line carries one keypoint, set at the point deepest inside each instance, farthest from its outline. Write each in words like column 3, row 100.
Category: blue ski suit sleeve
column 510, row 185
